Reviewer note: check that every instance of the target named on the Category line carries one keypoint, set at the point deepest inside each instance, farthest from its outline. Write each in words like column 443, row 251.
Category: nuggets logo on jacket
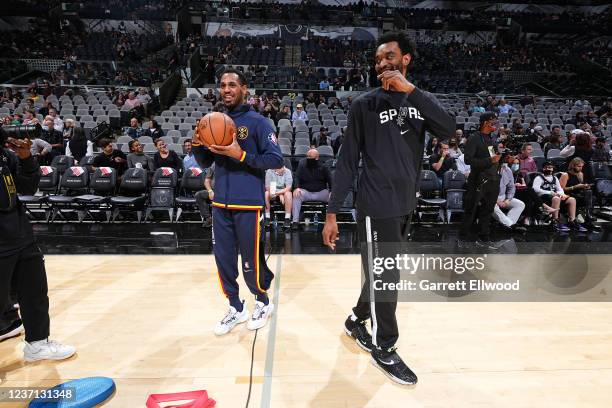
column 242, row 132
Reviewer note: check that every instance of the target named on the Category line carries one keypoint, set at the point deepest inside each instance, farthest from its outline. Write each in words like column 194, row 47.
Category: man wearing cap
column 483, row 183
column 299, row 113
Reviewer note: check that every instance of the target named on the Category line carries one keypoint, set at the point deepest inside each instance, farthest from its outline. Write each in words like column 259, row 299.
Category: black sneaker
column 14, row 330
column 295, row 226
column 286, row 224
column 391, row 364
column 358, row 331
column 485, row 244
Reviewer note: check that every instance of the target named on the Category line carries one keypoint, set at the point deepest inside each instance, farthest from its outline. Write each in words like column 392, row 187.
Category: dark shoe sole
column 392, row 377
column 364, row 348
column 13, row 333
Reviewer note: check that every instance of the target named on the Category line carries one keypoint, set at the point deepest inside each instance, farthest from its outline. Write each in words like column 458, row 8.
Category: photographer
column 21, row 261
column 483, row 182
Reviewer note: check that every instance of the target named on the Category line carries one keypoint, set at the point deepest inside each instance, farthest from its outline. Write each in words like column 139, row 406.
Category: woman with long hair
column 582, row 148
column 78, row 146
column 574, row 185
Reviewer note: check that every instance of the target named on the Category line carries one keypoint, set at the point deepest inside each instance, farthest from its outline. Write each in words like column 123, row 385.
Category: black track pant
column 380, row 238
column 479, row 205
column 26, row 271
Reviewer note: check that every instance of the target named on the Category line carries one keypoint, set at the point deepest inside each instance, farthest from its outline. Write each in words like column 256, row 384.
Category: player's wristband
column 243, row 156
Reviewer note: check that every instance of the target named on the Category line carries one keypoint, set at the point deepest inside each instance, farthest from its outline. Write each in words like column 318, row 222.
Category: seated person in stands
column 132, row 102
column 78, row 146
column 69, row 126
column 441, row 162
column 583, row 148
column 278, row 186
column 189, row 160
column 137, row 158
column 313, row 183
column 52, row 136
column 433, row 146
column 462, row 167
column 110, row 157
column 166, row 158
column 154, row 131
column 322, row 139
column 58, row 124
column 453, row 148
column 548, row 188
column 283, row 114
column 528, row 165
column 203, row 197
column 600, row 152
column 533, row 202
column 554, row 140
column 506, row 200
column 210, row 96
column 574, row 185
column 299, row 113
column 134, row 131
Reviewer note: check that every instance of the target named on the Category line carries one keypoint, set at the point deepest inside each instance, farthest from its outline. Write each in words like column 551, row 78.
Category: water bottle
column 275, row 222
column 316, row 219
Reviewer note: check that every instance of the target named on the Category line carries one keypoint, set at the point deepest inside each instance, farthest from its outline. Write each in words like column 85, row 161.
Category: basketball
column 215, row 128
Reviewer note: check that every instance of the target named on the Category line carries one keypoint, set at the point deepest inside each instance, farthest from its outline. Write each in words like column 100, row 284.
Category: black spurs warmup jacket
column 16, row 177
column 388, row 130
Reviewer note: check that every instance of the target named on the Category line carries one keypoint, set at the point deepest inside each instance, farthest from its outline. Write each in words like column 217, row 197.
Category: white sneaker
column 231, row 319
column 47, row 350
column 260, row 315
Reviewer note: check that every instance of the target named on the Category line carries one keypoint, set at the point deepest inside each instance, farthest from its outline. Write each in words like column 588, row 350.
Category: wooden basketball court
column 146, row 322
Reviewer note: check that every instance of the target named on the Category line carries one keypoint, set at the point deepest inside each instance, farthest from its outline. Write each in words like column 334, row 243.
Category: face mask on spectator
column 311, row 162
column 515, row 167
column 548, row 172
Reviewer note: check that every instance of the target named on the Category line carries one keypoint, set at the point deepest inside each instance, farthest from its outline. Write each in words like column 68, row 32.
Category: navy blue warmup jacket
column 241, row 184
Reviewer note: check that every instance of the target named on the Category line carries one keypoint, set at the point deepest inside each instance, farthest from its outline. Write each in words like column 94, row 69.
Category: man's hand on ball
column 232, row 150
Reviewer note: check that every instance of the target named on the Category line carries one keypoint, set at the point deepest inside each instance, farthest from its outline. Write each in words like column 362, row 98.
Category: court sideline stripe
column 266, row 392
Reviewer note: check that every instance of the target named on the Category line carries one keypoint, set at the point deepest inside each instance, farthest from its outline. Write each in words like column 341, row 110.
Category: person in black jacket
column 22, row 265
column 386, row 126
column 482, row 184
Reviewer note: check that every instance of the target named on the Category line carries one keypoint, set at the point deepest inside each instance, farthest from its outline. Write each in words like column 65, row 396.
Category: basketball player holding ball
column 242, row 144
column 386, row 126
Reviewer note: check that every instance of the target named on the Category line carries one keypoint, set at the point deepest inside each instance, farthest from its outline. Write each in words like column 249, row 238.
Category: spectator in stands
column 132, row 102
column 205, row 196
column 554, row 141
column 137, row 158
column 324, row 84
column 517, row 126
column 600, row 152
column 69, row 127
column 189, row 160
column 166, row 158
column 453, row 148
column 78, row 146
column 44, row 109
column 210, row 97
column 322, row 139
column 54, row 137
column 110, row 157
column 40, row 150
column 478, row 107
column 441, row 162
column 527, row 164
column 527, row 195
column 29, row 117
column 506, row 201
column 461, row 166
column 144, row 98
column 154, row 131
column 283, row 114
column 574, row 185
column 299, row 114
column 134, row 130
column 278, row 186
column 461, row 138
column 313, row 183
column 58, row 124
column 433, row 146
column 579, row 119
column 504, row 107
column 532, row 132
column 582, row 148
column 547, row 187
column 571, row 139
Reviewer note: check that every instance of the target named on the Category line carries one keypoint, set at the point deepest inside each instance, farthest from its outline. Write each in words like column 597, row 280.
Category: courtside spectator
column 134, row 130
column 441, row 162
column 137, row 158
column 313, row 183
column 528, row 165
column 54, row 137
column 574, row 184
column 205, row 196
column 189, row 160
column 166, row 158
column 278, row 186
column 154, row 131
column 78, row 146
column 547, row 187
column 507, row 202
column 110, row 157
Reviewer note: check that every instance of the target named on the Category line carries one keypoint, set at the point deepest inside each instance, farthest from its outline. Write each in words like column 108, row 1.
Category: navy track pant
column 239, row 231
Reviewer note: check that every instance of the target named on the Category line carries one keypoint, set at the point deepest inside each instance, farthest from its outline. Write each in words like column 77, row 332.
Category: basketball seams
column 212, row 133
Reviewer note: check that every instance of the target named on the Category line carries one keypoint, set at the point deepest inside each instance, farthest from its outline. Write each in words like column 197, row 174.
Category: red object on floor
column 199, row 399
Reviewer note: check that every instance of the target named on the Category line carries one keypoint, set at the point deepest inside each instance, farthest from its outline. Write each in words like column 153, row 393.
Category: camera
column 19, row 132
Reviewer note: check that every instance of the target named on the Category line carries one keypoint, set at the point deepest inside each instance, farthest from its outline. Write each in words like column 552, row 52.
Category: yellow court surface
column 146, row 322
